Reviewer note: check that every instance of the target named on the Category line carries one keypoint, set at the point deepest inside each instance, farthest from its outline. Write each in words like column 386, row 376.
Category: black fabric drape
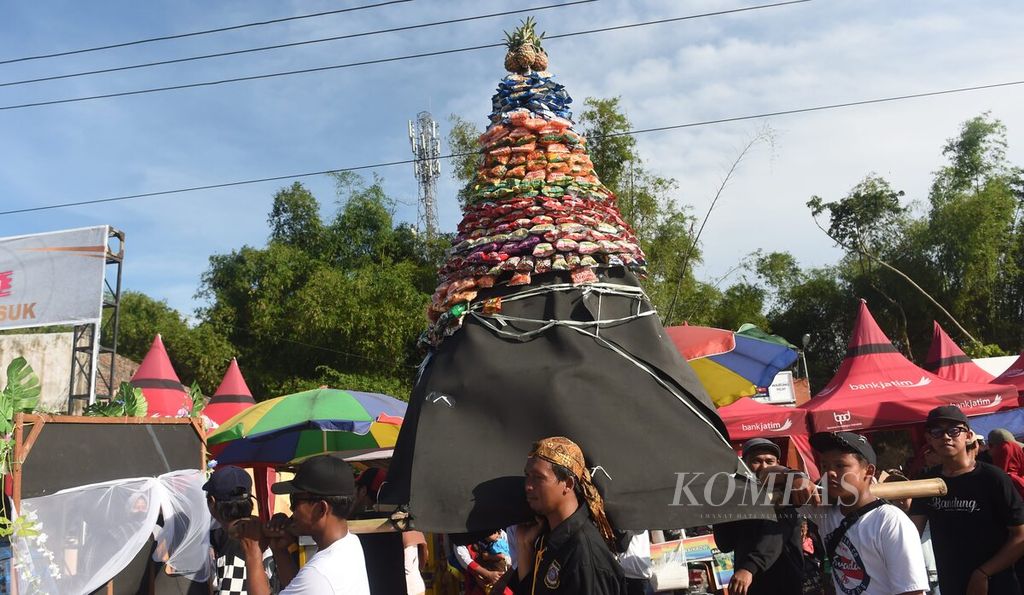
column 482, row 399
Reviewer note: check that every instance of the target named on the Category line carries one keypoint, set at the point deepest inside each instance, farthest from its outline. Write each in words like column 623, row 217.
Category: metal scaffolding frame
column 85, row 342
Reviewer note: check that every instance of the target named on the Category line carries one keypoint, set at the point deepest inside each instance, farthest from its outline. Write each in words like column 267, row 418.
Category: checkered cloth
column 231, row 574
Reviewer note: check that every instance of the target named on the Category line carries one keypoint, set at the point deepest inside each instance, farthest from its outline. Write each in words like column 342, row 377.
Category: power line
column 386, row 60
column 288, row 45
column 260, row 335
column 787, row 112
column 204, row 32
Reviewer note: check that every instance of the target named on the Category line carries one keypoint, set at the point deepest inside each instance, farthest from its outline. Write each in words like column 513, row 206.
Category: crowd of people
column 832, row 536
column 972, row 536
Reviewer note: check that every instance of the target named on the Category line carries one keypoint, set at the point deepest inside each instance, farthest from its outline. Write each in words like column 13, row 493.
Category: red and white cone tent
column 876, row 387
column 164, row 392
column 1014, row 375
column 946, row 359
column 232, row 397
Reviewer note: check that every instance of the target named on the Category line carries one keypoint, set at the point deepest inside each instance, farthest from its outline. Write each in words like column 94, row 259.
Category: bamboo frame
column 23, row 445
column 381, row 525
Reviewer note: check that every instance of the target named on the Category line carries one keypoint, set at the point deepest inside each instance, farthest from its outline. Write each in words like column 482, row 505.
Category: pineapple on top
column 525, row 52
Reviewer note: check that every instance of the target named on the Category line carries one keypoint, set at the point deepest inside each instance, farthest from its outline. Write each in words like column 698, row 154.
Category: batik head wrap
column 559, row 450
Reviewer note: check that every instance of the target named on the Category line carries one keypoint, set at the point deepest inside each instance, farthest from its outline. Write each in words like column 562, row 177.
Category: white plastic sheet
column 185, row 536
column 90, row 533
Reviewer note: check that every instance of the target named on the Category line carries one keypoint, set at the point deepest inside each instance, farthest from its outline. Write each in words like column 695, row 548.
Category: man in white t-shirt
column 321, row 497
column 636, row 562
column 873, row 546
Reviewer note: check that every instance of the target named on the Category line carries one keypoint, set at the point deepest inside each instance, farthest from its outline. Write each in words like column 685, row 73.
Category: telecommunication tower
column 426, row 149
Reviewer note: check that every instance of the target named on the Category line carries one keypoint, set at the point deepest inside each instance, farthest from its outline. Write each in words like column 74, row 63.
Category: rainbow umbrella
column 294, row 427
column 732, row 364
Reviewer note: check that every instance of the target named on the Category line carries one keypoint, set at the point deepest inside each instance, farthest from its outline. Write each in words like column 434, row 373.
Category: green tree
column 816, row 302
column 962, row 260
column 974, row 226
column 977, row 155
column 777, row 271
column 739, row 304
column 295, row 218
column 868, row 223
column 348, row 309
column 604, row 123
column 464, row 144
column 363, row 229
column 198, row 353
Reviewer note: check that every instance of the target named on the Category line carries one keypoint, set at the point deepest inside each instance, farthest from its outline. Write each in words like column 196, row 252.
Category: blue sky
column 820, row 52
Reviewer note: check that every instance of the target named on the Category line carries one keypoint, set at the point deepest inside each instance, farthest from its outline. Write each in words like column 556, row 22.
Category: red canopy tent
column 1014, row 375
column 876, row 386
column 232, row 397
column 747, row 418
column 164, row 392
column 946, row 359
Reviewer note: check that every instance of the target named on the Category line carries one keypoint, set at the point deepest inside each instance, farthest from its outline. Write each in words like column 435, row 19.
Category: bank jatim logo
column 6, row 283
column 772, row 426
column 981, row 403
column 885, row 384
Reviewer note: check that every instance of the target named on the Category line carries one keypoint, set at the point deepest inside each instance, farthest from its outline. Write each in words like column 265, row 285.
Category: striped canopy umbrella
column 732, row 365
column 284, row 430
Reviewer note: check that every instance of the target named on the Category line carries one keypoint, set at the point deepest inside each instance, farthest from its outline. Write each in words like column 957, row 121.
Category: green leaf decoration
column 20, row 394
column 198, row 400
column 22, row 388
column 128, row 402
column 98, row 409
column 134, row 402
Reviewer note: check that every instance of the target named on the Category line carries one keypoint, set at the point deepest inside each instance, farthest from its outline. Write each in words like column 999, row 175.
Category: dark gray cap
column 844, row 442
column 755, row 445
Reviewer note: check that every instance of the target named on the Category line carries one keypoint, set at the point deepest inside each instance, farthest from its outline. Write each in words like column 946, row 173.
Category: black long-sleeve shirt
column 769, row 550
column 573, row 559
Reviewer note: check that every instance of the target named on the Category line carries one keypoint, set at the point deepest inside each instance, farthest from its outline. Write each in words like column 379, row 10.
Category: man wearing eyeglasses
column 978, row 526
column 321, row 496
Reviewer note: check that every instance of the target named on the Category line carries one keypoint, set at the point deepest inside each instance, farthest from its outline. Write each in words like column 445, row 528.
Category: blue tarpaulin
column 1012, row 420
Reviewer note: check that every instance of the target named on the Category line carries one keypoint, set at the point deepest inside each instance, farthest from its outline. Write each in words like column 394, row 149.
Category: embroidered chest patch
column 553, row 575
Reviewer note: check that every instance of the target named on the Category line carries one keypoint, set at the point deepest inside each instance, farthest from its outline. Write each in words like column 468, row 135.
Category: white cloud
column 700, row 69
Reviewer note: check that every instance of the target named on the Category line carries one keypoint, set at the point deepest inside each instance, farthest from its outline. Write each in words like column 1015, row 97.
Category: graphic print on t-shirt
column 952, row 504
column 848, row 569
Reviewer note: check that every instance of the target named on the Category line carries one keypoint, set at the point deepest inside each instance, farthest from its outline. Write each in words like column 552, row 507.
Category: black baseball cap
column 760, row 444
column 229, row 483
column 322, row 475
column 844, row 442
column 946, row 413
